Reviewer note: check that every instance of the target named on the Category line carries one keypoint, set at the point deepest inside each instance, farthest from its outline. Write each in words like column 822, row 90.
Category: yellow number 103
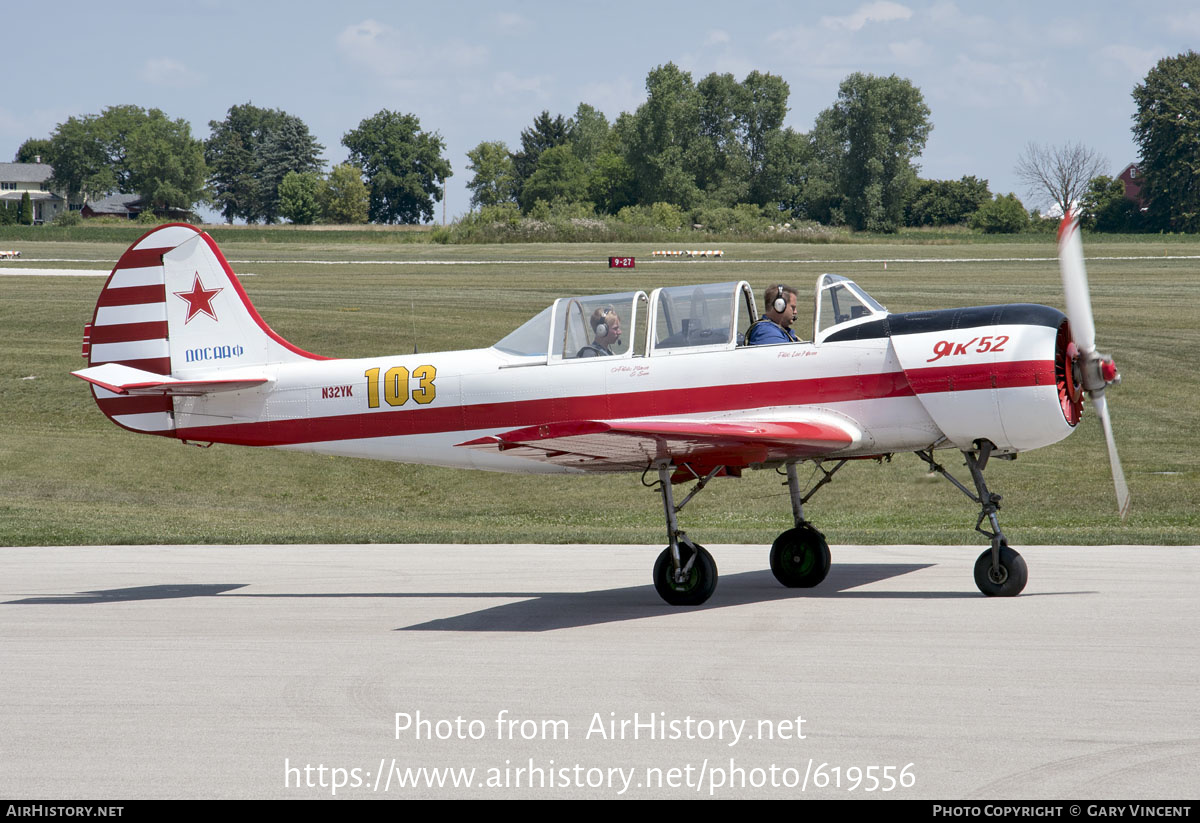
column 396, row 389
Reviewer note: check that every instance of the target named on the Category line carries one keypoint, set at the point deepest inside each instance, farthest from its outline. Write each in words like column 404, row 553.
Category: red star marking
column 199, row 299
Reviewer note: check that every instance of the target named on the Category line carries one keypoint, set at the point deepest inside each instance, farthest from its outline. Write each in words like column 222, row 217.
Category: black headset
column 601, row 328
column 780, row 302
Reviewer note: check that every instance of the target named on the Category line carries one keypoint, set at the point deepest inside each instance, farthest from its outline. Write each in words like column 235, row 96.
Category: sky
column 996, row 76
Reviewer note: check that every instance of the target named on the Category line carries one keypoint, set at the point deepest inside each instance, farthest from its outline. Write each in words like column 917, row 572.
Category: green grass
column 68, row 476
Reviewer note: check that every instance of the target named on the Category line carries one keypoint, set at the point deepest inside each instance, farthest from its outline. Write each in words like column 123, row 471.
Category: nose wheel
column 1004, row 578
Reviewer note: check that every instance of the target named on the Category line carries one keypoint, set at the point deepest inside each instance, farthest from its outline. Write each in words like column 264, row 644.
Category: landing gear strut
column 685, row 574
column 999, row 571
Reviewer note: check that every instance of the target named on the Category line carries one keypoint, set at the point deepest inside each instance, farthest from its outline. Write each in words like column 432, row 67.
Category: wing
column 631, row 445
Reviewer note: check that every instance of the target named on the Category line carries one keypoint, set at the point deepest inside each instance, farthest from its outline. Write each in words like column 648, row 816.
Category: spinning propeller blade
column 1096, row 370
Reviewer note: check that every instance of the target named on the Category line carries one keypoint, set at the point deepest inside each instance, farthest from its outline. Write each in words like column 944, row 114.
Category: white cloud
column 910, row 52
column 163, row 71
column 1134, row 61
column 376, row 47
column 1185, row 23
column 614, row 96
column 389, row 53
column 1016, row 85
column 881, row 11
column 462, row 55
column 716, row 37
column 511, row 20
column 508, row 83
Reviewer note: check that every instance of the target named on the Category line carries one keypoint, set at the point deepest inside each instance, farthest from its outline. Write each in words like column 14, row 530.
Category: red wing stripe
column 133, row 295
column 128, row 332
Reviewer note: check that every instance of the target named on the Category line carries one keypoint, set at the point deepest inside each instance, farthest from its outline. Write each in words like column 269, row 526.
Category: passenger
column 775, row 326
column 606, row 328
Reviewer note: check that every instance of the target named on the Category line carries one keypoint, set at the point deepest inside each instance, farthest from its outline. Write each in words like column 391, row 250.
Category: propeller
column 1096, row 371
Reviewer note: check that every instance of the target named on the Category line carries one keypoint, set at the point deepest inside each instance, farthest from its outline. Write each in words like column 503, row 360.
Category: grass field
column 68, row 476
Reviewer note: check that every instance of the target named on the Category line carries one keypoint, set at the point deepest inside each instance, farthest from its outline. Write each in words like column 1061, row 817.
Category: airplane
column 176, row 349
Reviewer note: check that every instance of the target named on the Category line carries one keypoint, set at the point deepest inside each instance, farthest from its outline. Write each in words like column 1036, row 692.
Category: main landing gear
column 685, row 574
column 999, row 571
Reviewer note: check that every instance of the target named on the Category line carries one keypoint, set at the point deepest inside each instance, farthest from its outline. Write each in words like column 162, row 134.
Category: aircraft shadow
column 547, row 611
column 553, row 610
column 163, row 592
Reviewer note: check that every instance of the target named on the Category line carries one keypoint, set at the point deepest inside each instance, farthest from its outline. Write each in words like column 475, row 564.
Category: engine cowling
column 998, row 373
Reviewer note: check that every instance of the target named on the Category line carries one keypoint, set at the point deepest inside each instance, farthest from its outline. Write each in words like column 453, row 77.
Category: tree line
column 258, row 165
column 713, row 152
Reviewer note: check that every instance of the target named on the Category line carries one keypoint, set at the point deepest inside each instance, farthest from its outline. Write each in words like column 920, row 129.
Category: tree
column 661, row 139
column 31, row 150
column 166, row 165
column 1004, row 215
column 403, row 165
column 344, row 196
column 25, row 210
column 946, row 202
column 815, row 181
column 494, row 181
column 298, row 201
column 875, row 130
column 1059, row 172
column 741, row 126
column 1105, row 207
column 130, row 150
column 289, row 148
column 588, row 133
column 546, row 133
column 610, row 183
column 250, row 152
column 560, row 175
column 79, row 155
column 1167, row 130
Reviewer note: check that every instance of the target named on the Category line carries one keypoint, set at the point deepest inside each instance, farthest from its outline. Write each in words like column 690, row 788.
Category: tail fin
column 175, row 318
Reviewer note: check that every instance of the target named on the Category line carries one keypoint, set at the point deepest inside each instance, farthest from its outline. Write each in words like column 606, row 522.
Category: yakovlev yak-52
column 175, row 349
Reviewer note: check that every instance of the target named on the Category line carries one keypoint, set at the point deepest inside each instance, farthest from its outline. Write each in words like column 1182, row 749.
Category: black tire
column 701, row 582
column 800, row 557
column 1008, row 580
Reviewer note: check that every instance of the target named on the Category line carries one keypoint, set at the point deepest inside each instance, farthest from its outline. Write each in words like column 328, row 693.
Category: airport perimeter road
column 476, row 671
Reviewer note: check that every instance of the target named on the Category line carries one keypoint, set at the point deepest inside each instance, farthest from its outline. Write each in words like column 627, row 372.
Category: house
column 16, row 179
column 1132, row 178
column 128, row 206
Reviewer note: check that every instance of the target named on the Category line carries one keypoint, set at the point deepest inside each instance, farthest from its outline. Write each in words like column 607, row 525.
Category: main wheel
column 701, row 581
column 800, row 557
column 1006, row 581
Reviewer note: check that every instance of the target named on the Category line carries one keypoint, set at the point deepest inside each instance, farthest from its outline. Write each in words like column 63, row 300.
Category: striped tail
column 173, row 320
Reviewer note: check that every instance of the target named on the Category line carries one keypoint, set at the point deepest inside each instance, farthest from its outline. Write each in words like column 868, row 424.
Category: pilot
column 775, row 326
column 606, row 331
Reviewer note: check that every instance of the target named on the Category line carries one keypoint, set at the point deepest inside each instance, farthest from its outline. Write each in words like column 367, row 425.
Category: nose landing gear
column 999, row 571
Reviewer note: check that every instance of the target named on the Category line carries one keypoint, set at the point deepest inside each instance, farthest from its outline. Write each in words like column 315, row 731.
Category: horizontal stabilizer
column 127, row 380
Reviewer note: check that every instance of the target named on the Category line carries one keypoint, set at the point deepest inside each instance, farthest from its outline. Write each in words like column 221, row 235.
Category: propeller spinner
column 1096, row 371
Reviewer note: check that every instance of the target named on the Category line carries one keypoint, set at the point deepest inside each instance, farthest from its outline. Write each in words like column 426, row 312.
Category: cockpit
column 672, row 320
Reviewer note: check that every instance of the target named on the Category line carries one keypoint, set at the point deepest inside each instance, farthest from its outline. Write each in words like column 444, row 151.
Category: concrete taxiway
column 556, row 671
